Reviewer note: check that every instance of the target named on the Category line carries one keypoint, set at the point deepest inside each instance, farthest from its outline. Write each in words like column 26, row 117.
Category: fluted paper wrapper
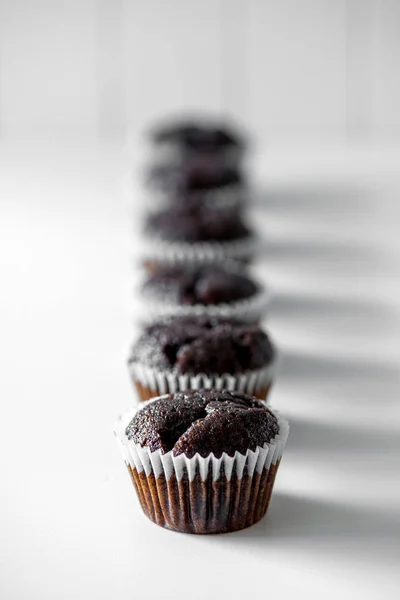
column 203, row 495
column 150, row 382
column 156, row 251
column 228, row 197
column 249, row 310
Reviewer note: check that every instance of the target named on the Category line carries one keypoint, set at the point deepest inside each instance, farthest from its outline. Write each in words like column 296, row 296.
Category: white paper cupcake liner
column 168, row 382
column 142, row 459
column 229, row 197
column 156, row 250
column 250, row 310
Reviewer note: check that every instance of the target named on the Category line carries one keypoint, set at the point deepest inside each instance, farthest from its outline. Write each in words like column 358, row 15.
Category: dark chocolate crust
column 197, row 135
column 191, row 222
column 204, row 284
column 195, row 345
column 203, row 422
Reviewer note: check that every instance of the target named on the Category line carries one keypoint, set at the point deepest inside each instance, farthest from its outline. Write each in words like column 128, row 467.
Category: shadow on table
column 328, row 198
column 298, row 518
column 320, row 204
column 311, row 436
column 319, row 251
column 306, row 366
column 300, row 305
column 335, row 315
column 343, row 382
column 315, row 258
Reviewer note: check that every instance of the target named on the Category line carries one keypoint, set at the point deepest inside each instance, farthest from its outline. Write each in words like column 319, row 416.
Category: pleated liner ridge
column 150, row 382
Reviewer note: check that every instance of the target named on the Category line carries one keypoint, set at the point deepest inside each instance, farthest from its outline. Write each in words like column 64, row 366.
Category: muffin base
column 146, row 393
column 158, row 251
column 205, row 507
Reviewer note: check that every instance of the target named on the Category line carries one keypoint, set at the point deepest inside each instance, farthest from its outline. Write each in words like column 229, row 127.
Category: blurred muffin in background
column 180, row 140
column 213, row 290
column 196, row 160
column 196, row 234
column 198, row 183
column 202, row 352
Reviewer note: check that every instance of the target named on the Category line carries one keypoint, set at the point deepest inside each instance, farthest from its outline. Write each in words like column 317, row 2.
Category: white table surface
column 70, row 525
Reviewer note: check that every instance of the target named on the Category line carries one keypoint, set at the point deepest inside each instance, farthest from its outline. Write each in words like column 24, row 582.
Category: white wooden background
column 288, row 68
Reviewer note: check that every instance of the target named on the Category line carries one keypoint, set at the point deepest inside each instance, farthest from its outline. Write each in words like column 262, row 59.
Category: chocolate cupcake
column 178, row 142
column 203, row 461
column 199, row 181
column 200, row 352
column 192, row 233
column 215, row 290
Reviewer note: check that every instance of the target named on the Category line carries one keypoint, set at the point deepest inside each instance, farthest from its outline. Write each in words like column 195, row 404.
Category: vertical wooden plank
column 110, row 75
column 172, row 59
column 373, row 69
column 361, row 24
column 297, row 68
column 386, row 115
column 48, row 67
column 235, row 85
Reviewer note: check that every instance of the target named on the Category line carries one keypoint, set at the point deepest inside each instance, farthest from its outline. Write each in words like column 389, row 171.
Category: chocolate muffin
column 192, row 233
column 188, row 352
column 198, row 175
column 205, row 284
column 200, row 181
column 208, row 289
column 214, row 458
column 196, row 160
column 192, row 223
column 197, row 137
column 203, row 345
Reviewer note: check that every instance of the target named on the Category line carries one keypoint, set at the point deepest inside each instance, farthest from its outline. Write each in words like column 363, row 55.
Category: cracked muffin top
column 203, row 422
column 205, row 284
column 194, row 345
